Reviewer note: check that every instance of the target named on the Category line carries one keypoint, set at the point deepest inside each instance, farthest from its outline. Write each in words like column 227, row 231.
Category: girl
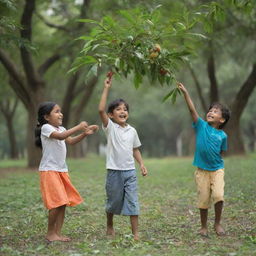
column 56, row 187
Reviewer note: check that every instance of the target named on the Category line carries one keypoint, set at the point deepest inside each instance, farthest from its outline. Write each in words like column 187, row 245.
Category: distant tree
column 231, row 35
column 27, row 78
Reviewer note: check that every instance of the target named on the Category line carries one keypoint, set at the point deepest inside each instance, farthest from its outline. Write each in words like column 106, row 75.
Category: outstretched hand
column 108, row 82
column 91, row 129
column 83, row 126
column 181, row 87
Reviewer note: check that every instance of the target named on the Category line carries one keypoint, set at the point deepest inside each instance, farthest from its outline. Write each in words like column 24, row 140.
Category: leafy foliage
column 132, row 41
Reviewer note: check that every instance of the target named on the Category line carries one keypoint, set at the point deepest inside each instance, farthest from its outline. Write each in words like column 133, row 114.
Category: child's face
column 120, row 114
column 55, row 117
column 214, row 117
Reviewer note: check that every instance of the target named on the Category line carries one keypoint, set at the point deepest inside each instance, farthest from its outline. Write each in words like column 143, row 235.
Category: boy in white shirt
column 122, row 147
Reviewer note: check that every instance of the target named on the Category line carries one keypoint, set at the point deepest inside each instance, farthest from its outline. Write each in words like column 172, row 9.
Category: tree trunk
column 236, row 145
column 8, row 109
column 33, row 153
column 214, row 94
column 235, row 139
column 14, row 154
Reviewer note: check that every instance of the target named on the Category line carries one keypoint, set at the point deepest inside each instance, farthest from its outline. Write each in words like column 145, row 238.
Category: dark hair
column 225, row 112
column 45, row 108
column 114, row 104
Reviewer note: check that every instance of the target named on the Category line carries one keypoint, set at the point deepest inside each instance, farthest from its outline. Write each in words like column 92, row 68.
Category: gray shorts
column 121, row 190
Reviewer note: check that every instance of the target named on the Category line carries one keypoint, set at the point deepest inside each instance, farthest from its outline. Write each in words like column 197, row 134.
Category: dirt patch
column 10, row 170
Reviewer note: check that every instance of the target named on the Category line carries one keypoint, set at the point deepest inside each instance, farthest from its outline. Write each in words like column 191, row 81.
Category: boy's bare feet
column 65, row 239
column 136, row 237
column 219, row 230
column 203, row 232
column 110, row 231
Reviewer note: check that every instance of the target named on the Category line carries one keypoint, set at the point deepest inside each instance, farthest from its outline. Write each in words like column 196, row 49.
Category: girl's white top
column 54, row 151
column 120, row 144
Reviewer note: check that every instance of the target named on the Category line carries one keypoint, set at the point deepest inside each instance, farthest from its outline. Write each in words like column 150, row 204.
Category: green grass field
column 169, row 220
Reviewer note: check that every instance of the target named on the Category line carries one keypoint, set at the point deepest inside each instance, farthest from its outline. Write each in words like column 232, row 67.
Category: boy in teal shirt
column 211, row 141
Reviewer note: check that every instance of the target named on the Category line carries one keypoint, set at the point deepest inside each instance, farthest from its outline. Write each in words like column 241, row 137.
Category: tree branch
column 51, row 25
column 198, row 88
column 11, row 68
column 48, row 63
column 88, row 90
column 83, row 13
column 69, row 96
column 244, row 93
column 26, row 32
column 214, row 94
column 16, row 79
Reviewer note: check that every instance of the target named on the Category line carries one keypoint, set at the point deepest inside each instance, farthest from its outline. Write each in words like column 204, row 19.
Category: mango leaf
column 93, row 70
column 137, row 80
column 172, row 94
column 89, row 21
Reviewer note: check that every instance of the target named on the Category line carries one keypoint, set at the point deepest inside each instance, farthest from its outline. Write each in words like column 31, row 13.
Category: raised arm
column 189, row 102
column 103, row 101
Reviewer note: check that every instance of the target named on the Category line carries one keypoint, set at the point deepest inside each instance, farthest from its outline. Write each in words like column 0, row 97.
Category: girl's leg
column 218, row 211
column 52, row 218
column 203, row 215
column 59, row 223
column 110, row 228
column 135, row 223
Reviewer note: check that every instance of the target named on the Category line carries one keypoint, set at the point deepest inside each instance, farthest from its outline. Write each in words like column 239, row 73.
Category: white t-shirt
column 120, row 144
column 54, row 151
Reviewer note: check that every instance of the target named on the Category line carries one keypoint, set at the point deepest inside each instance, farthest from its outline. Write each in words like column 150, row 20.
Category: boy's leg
column 218, row 211
column 131, row 204
column 203, row 215
column 218, row 199
column 135, row 223
column 110, row 227
column 59, row 223
column 202, row 179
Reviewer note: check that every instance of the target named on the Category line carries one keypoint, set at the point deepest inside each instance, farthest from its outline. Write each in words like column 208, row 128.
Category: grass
column 168, row 223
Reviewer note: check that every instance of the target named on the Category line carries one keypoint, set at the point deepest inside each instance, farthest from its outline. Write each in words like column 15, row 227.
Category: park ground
column 169, row 220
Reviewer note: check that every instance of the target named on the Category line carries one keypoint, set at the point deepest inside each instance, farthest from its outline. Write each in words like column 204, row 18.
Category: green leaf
column 88, row 60
column 109, row 21
column 172, row 94
column 128, row 16
column 93, row 70
column 137, row 80
column 86, row 38
column 89, row 21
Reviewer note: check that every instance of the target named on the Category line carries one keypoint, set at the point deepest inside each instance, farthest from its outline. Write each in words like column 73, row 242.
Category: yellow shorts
column 57, row 190
column 210, row 187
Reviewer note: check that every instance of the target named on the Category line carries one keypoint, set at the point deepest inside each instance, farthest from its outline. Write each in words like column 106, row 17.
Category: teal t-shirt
column 209, row 144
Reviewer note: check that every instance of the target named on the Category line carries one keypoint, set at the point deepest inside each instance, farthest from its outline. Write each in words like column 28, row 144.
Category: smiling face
column 214, row 117
column 120, row 114
column 55, row 117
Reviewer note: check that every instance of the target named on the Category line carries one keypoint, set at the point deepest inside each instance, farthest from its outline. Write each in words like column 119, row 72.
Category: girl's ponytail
column 38, row 141
column 45, row 108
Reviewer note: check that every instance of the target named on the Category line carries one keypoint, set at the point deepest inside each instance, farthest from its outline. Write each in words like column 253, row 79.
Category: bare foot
column 203, row 232
column 65, row 239
column 110, row 231
column 136, row 237
column 52, row 237
column 219, row 230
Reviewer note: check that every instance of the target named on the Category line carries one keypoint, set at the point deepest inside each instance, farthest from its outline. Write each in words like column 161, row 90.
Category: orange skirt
column 57, row 190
